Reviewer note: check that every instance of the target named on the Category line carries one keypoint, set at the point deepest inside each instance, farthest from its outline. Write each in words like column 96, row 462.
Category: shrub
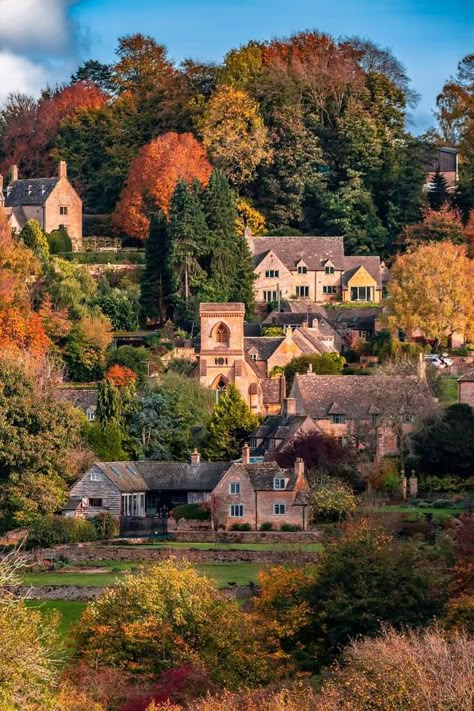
column 331, row 500
column 266, row 526
column 106, row 525
column 241, row 527
column 54, row 530
column 442, row 504
column 290, row 527
column 59, row 241
column 192, row 512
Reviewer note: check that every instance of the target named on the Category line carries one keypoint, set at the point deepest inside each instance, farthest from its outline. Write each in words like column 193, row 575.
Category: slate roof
column 313, row 251
column 468, row 377
column 80, row 398
column 72, row 504
column 309, row 342
column 164, row 476
column 273, row 390
column 356, row 396
column 34, row 191
column 264, row 345
column 279, row 427
column 262, row 474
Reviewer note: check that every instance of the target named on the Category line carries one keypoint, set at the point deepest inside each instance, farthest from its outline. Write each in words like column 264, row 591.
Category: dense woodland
column 310, row 132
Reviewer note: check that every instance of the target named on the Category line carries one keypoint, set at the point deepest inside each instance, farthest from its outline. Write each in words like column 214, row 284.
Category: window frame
column 64, row 210
column 329, row 269
column 278, row 487
column 279, row 512
column 299, row 289
column 338, row 419
column 269, row 296
column 95, row 476
column 302, row 269
column 96, row 505
column 234, row 488
column 272, row 273
column 236, row 507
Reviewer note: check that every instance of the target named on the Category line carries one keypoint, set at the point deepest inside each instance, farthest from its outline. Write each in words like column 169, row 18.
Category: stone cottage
column 52, row 202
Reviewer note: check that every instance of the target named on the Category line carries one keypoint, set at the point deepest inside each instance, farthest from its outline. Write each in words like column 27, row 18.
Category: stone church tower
column 222, row 358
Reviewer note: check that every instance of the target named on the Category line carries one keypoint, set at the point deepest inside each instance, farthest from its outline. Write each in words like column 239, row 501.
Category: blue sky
column 429, row 36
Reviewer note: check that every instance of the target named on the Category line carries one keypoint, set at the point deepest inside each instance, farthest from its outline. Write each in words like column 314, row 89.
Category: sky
column 43, row 41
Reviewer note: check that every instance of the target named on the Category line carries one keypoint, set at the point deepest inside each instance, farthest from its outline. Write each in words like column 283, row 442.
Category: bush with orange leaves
column 153, row 176
column 402, row 671
column 121, row 376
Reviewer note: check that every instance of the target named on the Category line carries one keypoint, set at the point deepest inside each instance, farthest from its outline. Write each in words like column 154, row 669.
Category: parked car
column 435, row 361
column 448, row 361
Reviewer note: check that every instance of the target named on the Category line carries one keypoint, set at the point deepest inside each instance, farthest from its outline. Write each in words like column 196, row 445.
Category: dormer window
column 302, row 269
column 329, row 269
column 279, row 484
column 338, row 419
column 29, row 190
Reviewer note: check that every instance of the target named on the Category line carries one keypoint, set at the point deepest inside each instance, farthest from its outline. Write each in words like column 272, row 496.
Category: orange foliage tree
column 153, row 176
column 121, row 376
column 436, row 226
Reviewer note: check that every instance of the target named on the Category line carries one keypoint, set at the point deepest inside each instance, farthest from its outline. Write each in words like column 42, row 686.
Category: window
column 329, row 270
column 236, row 510
column 234, row 487
column 222, row 334
column 362, row 293
column 302, row 291
column 95, row 476
column 279, row 509
column 272, row 273
column 63, row 210
column 96, row 503
column 279, row 484
column 253, row 356
column 220, row 361
column 374, row 419
column 329, row 289
column 302, row 270
column 272, row 444
column 90, row 414
column 269, row 296
column 116, row 471
column 408, row 418
column 338, row 419
column 253, row 442
column 363, row 334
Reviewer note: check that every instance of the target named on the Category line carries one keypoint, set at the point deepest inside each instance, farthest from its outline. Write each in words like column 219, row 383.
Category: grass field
column 447, row 390
column 69, row 610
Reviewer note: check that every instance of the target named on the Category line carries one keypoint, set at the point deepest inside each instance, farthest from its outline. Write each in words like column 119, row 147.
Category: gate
column 143, row 527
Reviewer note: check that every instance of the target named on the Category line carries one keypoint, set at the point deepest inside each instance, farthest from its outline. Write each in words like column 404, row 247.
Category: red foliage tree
column 153, row 176
column 318, row 451
column 120, row 375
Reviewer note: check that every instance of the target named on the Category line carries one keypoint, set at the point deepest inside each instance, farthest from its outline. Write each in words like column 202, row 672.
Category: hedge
column 54, row 530
column 192, row 512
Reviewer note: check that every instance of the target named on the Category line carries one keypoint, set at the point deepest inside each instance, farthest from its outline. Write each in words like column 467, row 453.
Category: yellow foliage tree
column 432, row 288
column 234, row 134
column 248, row 216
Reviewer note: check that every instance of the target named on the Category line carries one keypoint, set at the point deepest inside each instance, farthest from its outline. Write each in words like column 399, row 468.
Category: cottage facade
column 313, row 269
column 52, row 202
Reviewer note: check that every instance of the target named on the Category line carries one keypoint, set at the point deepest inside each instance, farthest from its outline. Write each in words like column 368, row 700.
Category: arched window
column 222, row 334
column 221, row 387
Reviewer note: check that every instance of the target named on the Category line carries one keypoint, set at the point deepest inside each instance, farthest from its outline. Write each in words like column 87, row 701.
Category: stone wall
column 82, row 593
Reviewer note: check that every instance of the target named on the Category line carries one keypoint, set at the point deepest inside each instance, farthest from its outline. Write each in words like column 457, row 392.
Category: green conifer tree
column 158, row 284
column 229, row 426
column 189, row 239
column 109, row 404
column 438, row 194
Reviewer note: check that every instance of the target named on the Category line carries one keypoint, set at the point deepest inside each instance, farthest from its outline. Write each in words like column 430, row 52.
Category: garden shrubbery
column 192, row 512
column 54, row 530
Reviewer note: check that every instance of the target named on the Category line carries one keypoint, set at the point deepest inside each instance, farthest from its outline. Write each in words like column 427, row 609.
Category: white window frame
column 279, row 483
column 279, row 509
column 269, row 296
column 95, row 476
column 234, row 488
column 90, row 415
column 272, row 273
column 236, row 511
column 329, row 270
column 338, row 419
column 302, row 291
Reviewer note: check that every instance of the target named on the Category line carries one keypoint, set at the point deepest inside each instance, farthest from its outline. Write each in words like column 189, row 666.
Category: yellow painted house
column 314, row 269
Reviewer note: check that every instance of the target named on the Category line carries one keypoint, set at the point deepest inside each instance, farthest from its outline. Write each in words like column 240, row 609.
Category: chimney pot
column 62, row 172
column 246, row 454
column 14, row 173
column 195, row 457
column 299, row 466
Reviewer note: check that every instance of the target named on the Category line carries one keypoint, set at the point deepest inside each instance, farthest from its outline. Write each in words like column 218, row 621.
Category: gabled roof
column 314, row 251
column 309, row 342
column 34, row 191
column 262, row 474
column 80, row 398
column 72, row 504
column 264, row 345
column 167, row 476
column 356, row 396
column 370, row 264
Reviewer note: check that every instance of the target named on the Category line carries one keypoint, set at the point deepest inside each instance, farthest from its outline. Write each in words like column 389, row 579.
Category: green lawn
column 80, row 579
column 447, row 390
column 70, row 612
column 225, row 573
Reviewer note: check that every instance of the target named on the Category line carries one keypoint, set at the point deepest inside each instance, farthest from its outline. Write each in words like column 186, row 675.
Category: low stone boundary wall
column 148, row 554
column 83, row 593
column 248, row 536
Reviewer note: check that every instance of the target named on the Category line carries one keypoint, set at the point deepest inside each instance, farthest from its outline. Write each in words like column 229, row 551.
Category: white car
column 435, row 361
column 446, row 360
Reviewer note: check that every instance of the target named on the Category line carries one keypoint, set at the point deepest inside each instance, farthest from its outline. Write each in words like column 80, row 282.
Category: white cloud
column 36, row 26
column 20, row 74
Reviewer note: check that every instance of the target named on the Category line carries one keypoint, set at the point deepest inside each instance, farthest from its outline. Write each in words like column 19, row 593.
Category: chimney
column 289, row 406
column 299, row 466
column 14, row 173
column 62, row 171
column 195, row 457
column 421, row 367
column 245, row 454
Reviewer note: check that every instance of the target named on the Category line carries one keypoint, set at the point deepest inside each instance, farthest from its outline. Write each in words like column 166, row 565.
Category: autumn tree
column 34, row 238
column 455, row 109
column 234, row 134
column 230, row 425
column 432, row 288
column 436, row 226
column 153, row 177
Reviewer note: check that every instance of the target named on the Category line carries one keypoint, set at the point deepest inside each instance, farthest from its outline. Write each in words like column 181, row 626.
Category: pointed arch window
column 222, row 334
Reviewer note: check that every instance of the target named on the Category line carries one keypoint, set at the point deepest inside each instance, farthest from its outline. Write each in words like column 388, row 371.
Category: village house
column 315, row 269
column 466, row 388
column 446, row 161
column 84, row 399
column 374, row 410
column 227, row 356
column 52, row 202
column 237, row 492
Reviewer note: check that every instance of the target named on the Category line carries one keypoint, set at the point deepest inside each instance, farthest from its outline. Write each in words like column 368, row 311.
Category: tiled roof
column 356, row 396
column 309, row 342
column 262, row 474
column 80, row 398
column 169, row 476
column 468, row 377
column 314, row 251
column 284, row 425
column 273, row 390
column 29, row 192
column 72, row 504
column 264, row 345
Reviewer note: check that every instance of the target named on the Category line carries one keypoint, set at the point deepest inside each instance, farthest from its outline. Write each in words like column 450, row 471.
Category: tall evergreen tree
column 158, row 285
column 438, row 194
column 229, row 426
column 189, row 239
